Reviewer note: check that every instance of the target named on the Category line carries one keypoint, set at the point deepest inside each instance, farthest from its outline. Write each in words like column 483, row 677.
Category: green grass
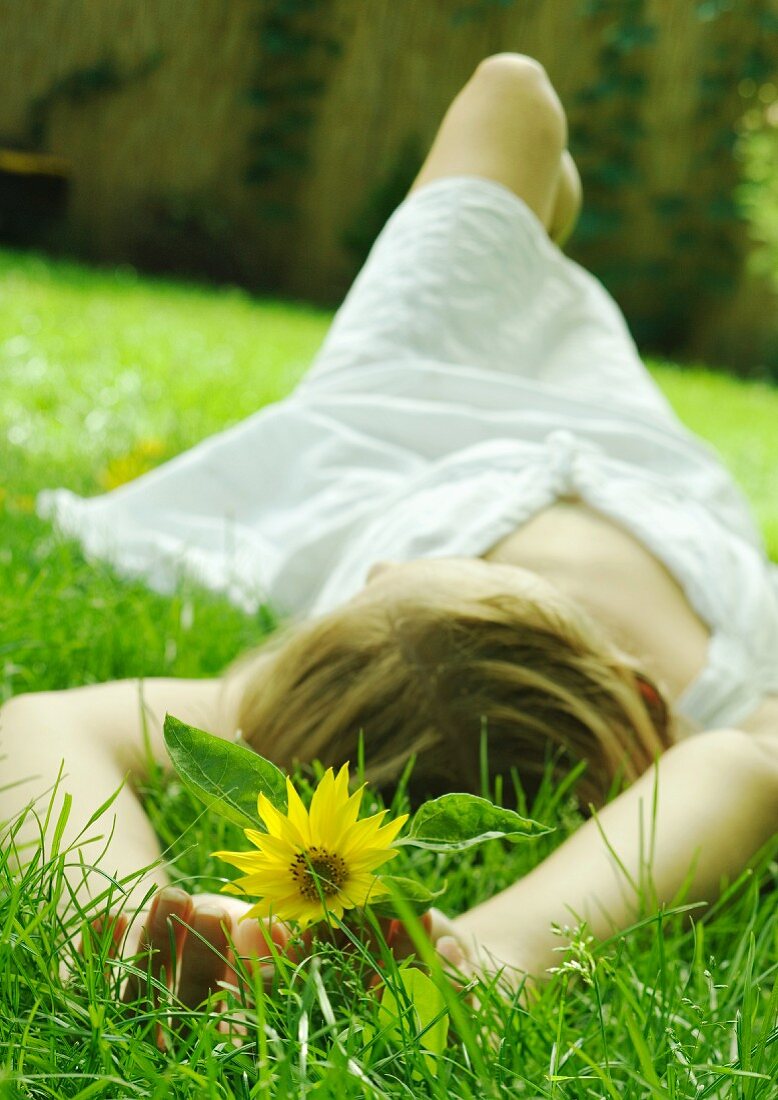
column 739, row 420
column 93, row 364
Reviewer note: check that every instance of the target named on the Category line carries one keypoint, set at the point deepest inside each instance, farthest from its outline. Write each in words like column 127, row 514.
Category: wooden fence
column 227, row 137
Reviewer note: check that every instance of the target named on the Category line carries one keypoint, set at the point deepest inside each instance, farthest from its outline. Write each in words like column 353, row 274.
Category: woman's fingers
column 456, row 965
column 256, row 940
column 116, row 926
column 206, row 959
column 93, row 939
column 204, row 956
column 399, row 940
column 161, row 939
column 256, row 946
column 434, row 924
column 451, row 950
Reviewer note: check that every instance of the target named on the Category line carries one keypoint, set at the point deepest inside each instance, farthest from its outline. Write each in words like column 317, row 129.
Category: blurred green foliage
column 80, row 85
column 757, row 195
column 293, row 42
column 383, row 198
column 701, row 224
column 697, row 224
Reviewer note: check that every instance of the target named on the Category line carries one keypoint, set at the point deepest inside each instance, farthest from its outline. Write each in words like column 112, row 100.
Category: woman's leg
column 507, row 124
column 567, row 202
column 452, row 277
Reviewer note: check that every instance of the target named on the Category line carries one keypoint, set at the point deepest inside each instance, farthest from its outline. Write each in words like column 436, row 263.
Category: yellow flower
column 136, row 462
column 313, row 864
column 23, row 503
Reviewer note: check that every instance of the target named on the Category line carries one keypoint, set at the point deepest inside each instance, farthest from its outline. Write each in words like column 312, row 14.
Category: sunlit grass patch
column 739, row 420
column 662, row 1009
column 105, row 374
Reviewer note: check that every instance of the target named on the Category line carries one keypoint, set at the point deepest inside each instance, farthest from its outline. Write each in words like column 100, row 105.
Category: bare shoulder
column 124, row 715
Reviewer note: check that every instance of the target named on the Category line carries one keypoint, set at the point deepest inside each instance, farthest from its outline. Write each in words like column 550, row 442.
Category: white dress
column 472, row 376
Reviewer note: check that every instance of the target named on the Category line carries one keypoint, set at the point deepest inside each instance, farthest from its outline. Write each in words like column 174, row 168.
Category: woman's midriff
column 619, row 582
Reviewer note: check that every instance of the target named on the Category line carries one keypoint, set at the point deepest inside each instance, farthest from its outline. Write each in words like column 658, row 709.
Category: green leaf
column 225, row 776
column 420, row 1014
column 413, row 893
column 460, row 821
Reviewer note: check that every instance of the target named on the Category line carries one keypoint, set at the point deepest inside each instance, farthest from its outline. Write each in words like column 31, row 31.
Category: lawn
column 104, row 374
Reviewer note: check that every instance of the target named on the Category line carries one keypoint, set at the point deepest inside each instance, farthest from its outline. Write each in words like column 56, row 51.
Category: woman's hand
column 194, row 940
column 191, row 944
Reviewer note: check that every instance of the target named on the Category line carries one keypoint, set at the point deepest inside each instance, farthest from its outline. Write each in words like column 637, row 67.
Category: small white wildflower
column 580, row 959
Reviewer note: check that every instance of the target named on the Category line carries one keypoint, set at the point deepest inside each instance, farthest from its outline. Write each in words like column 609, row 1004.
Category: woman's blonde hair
column 424, row 676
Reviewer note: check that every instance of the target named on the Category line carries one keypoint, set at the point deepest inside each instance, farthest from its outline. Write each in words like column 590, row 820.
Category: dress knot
column 570, row 461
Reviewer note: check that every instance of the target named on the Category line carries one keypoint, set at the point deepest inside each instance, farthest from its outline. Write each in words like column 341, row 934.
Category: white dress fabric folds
column 473, row 375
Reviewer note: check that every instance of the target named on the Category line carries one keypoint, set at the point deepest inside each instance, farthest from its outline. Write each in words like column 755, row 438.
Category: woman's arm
column 717, row 804
column 96, row 734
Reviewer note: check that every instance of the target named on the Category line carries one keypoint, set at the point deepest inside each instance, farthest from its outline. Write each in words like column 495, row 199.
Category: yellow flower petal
column 313, row 865
column 377, row 836
column 278, row 824
column 341, row 783
column 362, row 888
column 244, row 861
column 232, row 888
column 297, row 814
column 323, row 809
column 272, row 847
column 372, row 859
column 387, row 834
column 347, row 818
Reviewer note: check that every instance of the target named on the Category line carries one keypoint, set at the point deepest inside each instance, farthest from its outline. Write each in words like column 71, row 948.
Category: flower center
column 317, row 871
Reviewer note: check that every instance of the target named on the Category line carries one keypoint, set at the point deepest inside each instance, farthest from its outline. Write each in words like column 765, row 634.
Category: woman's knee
column 508, row 125
column 524, row 81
